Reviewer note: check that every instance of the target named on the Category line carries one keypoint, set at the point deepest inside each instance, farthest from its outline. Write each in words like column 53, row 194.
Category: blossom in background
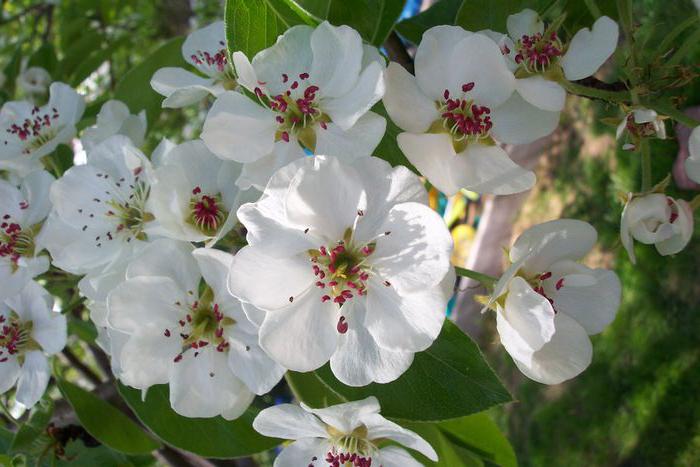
column 314, row 89
column 194, row 196
column 100, row 208
column 547, row 303
column 114, row 118
column 29, row 331
column 23, row 209
column 640, row 123
column 692, row 163
column 204, row 49
column 34, row 81
column 194, row 337
column 28, row 132
column 348, row 264
column 343, row 434
column 454, row 108
column 656, row 219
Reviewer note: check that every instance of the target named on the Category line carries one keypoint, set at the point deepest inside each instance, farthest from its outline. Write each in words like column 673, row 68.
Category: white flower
column 343, row 434
column 204, row 49
column 29, row 330
column 692, row 163
column 349, row 264
column 23, row 209
column 453, row 109
column 656, row 219
column 28, row 133
column 114, row 119
column 194, row 197
column 34, row 81
column 314, row 89
column 547, row 304
column 197, row 339
column 540, row 59
column 641, row 123
column 99, row 209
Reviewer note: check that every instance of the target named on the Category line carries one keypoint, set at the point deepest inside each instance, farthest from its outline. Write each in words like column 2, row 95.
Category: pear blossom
column 692, row 163
column 34, row 81
column 347, row 264
column 640, row 123
column 205, row 50
column 346, row 434
column 29, row 331
column 540, row 58
column 23, row 209
column 114, row 118
column 184, row 328
column 656, row 219
column 547, row 304
column 30, row 132
column 100, row 208
column 314, row 89
column 455, row 109
column 193, row 196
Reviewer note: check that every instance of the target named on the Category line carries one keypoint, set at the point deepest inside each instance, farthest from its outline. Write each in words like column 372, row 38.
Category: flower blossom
column 34, row 81
column 341, row 435
column 692, row 163
column 185, row 329
column 640, row 123
column 312, row 92
column 204, row 49
column 23, row 209
column 114, row 118
column 656, row 219
column 29, row 331
column 348, row 264
column 455, row 109
column 547, row 303
column 29, row 133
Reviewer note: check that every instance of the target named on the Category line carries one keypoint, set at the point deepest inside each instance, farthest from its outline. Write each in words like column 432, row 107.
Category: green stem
column 485, row 279
column 645, row 151
column 585, row 91
column 668, row 109
column 593, row 8
column 7, row 414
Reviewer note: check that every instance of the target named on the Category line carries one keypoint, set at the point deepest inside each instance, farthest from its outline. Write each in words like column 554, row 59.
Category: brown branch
column 397, row 52
column 85, row 370
column 595, row 83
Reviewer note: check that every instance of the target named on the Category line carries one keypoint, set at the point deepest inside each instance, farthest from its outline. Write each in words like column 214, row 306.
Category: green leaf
column 442, row 12
column 31, row 437
column 479, row 434
column 308, row 388
column 254, row 25
column 12, row 69
column 388, row 149
column 449, row 380
column 134, row 89
column 106, row 423
column 88, row 41
column 45, row 57
column 475, row 15
column 207, row 437
column 448, row 453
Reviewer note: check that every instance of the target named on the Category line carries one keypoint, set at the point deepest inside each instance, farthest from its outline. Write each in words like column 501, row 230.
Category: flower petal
column 288, row 421
column 692, row 163
column 433, row 62
column 302, row 452
column 147, row 360
column 167, row 259
column 210, row 39
column 252, row 365
column 337, row 57
column 359, row 141
column 180, row 87
column 393, row 456
column 519, row 122
column 257, row 173
column 542, row 93
column 9, row 372
column 524, row 23
column 346, row 109
column 404, row 101
column 33, row 379
column 379, row 427
column 290, row 55
column 683, row 230
column 590, row 48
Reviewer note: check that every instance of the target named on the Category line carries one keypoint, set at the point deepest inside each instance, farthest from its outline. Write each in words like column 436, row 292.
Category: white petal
column 36, row 188
column 393, row 456
column 33, row 379
column 9, row 372
column 542, row 93
column 180, row 87
column 358, row 141
column 288, row 421
column 346, row 416
column 566, row 355
column 148, row 360
column 252, row 365
column 214, row 266
column 553, row 241
column 210, row 39
column 359, row 360
column 404, row 101
column 337, row 57
column 590, row 48
column 684, row 230
column 167, row 258
column 266, row 281
column 302, row 453
column 524, row 23
column 153, row 297
column 692, row 163
column 346, row 109
column 257, row 173
column 238, row 129
column 379, row 427
column 291, row 55
column 245, row 71
column 519, row 122
column 433, row 62
column 69, row 103
column 302, row 336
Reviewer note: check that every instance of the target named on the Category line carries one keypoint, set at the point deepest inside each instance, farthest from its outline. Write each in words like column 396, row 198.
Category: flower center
column 15, row 337
column 639, row 129
column 674, row 210
column 464, row 119
column 36, row 131
column 206, row 212
column 349, row 450
column 217, row 64
column 538, row 286
column 537, row 52
column 297, row 110
column 14, row 241
column 203, row 325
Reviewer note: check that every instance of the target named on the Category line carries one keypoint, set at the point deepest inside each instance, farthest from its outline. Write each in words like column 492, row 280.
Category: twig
column 397, row 52
column 81, row 367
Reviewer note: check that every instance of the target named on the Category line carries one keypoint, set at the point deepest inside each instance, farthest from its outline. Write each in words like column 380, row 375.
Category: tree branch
column 81, row 367
column 397, row 52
